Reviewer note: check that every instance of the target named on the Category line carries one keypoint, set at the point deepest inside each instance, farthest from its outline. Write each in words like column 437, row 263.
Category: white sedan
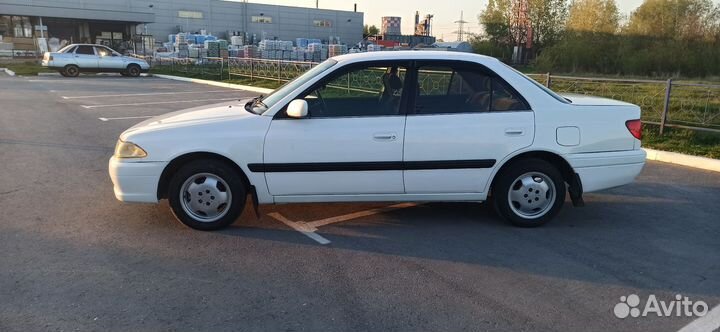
column 385, row 126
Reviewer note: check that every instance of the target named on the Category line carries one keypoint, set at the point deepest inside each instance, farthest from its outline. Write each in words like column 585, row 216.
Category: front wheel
column 206, row 195
column 133, row 70
column 529, row 193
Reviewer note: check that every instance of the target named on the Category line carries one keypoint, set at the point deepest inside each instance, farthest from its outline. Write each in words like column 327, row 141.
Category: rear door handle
column 385, row 136
column 514, row 132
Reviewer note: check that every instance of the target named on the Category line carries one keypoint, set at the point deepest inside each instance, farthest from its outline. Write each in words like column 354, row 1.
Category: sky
column 446, row 12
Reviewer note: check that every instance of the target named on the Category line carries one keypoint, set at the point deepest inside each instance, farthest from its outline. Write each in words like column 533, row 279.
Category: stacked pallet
column 336, row 49
column 213, row 48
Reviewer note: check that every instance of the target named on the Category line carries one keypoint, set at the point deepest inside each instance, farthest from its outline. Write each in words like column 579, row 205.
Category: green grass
column 685, row 141
column 29, row 68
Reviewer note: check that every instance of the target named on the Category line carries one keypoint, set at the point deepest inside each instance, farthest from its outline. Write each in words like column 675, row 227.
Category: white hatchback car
column 385, row 126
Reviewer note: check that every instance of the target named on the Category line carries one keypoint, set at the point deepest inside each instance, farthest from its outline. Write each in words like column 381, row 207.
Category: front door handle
column 385, row 136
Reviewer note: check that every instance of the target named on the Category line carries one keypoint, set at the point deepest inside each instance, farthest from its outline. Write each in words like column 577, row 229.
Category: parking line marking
column 300, row 227
column 709, row 322
column 355, row 215
column 145, row 94
column 127, row 118
column 157, row 103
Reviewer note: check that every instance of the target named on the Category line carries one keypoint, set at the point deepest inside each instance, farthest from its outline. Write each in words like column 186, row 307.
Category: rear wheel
column 529, row 193
column 72, row 71
column 133, row 70
column 206, row 195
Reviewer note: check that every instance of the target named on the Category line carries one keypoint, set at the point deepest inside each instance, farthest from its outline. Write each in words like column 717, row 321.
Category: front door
column 352, row 140
column 108, row 59
column 465, row 120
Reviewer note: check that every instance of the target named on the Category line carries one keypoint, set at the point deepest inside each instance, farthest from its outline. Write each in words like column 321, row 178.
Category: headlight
column 128, row 150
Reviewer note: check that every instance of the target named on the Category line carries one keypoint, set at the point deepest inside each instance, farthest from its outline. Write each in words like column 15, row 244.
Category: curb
column 684, row 160
column 8, row 71
column 654, row 155
column 214, row 83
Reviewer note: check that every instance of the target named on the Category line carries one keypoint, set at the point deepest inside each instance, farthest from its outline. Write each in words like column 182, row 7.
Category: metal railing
column 668, row 103
column 664, row 103
column 213, row 67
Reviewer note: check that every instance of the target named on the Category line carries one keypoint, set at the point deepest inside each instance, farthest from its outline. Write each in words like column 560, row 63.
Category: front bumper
column 135, row 181
column 604, row 170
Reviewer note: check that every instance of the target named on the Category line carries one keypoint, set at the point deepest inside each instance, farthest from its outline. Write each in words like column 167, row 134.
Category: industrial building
column 26, row 25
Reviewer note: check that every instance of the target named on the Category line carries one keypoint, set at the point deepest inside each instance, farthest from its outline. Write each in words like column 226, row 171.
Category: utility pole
column 461, row 28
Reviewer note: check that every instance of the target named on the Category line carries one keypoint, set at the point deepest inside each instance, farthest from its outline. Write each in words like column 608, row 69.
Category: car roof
column 414, row 55
column 87, row 45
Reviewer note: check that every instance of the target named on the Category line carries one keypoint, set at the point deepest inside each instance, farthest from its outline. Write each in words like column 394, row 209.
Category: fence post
column 549, row 80
column 666, row 109
column 252, row 67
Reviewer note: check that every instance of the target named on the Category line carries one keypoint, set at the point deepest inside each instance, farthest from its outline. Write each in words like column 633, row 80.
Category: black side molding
column 370, row 166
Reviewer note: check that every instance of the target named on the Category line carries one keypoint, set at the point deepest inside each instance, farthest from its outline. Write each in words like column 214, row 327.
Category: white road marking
column 157, row 103
column 327, row 221
column 309, row 228
column 145, row 94
column 127, row 117
column 707, row 323
column 300, row 227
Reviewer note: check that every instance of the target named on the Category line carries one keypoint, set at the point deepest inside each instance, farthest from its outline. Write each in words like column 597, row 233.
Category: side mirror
column 297, row 109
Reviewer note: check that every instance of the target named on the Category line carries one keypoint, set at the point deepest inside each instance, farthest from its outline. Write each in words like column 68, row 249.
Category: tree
column 596, row 16
column 370, row 31
column 675, row 19
column 495, row 20
column 547, row 20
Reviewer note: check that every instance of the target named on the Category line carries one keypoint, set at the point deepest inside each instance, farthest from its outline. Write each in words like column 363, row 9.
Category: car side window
column 101, row 51
column 361, row 91
column 446, row 89
column 84, row 49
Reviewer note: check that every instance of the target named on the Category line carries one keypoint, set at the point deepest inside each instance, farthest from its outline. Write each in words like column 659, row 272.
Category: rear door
column 86, row 58
column 464, row 121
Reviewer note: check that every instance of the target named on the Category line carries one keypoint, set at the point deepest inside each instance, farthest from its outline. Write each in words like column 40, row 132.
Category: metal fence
column 212, row 67
column 665, row 103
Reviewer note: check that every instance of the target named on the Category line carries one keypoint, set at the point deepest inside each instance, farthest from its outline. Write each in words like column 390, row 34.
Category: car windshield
column 542, row 87
column 261, row 104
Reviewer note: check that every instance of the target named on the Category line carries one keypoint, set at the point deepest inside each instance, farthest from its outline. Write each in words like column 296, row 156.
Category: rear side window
column 463, row 89
column 85, row 50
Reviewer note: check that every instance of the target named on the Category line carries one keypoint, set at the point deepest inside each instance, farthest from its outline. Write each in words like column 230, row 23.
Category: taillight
column 635, row 128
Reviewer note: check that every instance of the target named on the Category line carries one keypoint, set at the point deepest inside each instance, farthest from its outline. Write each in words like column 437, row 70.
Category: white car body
column 102, row 59
column 408, row 157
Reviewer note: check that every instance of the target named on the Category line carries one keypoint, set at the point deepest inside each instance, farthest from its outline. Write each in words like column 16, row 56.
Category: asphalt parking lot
column 74, row 258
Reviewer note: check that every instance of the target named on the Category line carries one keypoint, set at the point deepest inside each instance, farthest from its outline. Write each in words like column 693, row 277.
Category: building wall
column 218, row 17
column 288, row 23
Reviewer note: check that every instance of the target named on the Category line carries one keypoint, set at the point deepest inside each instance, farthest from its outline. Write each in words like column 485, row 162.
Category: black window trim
column 455, row 64
column 408, row 64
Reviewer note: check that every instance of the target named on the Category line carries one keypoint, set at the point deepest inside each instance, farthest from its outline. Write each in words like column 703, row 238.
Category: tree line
column 660, row 38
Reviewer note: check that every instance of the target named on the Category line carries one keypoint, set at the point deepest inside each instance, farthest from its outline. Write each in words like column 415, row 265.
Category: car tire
column 133, row 70
column 72, row 71
column 63, row 73
column 529, row 192
column 206, row 195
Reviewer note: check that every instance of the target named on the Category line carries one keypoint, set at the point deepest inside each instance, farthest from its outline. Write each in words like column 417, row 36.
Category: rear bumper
column 135, row 181
column 604, row 170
